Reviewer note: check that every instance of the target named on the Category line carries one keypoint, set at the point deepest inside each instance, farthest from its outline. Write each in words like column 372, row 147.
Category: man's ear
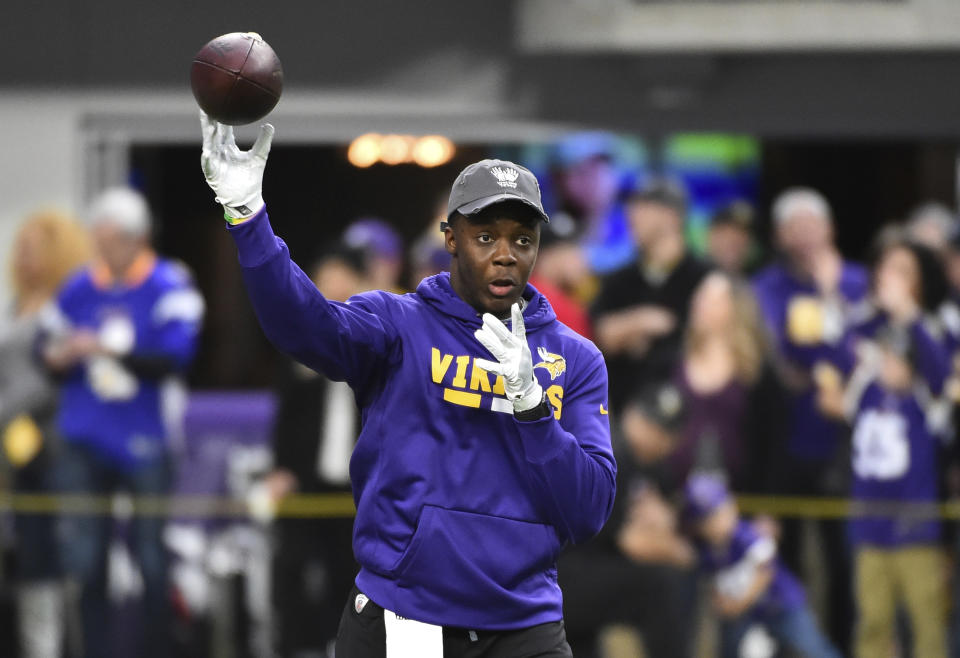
column 450, row 240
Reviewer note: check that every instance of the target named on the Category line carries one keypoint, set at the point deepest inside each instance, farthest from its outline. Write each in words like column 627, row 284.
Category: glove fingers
column 225, row 138
column 497, row 327
column 261, row 147
column 489, row 366
column 516, row 320
column 491, row 342
column 209, row 128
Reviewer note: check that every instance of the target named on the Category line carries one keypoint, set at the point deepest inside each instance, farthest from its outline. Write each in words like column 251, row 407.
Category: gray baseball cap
column 488, row 182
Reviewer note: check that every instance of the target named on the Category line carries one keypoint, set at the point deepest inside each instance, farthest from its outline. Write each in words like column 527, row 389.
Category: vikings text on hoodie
column 461, row 509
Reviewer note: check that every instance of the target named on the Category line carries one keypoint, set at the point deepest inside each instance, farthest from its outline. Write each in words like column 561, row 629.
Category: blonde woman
column 732, row 398
column 47, row 247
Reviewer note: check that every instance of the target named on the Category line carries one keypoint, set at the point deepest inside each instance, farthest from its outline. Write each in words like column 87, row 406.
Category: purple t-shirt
column 712, row 435
column 734, row 568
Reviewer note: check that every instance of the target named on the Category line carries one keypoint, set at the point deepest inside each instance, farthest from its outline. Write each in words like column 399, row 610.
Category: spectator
column 751, row 586
column 735, row 403
column 317, row 427
column 118, row 331
column 46, row 248
column 931, row 225
column 588, row 189
column 809, row 299
column 730, row 237
column 641, row 311
column 383, row 249
column 897, row 432
column 637, row 571
column 560, row 274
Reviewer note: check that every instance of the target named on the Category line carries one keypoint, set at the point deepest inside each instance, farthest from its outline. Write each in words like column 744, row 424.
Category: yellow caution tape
column 340, row 505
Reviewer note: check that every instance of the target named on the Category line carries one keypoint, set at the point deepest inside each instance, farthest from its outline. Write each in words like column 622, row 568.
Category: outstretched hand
column 235, row 176
column 514, row 361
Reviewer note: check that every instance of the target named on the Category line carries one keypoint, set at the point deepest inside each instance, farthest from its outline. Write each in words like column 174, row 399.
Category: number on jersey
column 881, row 449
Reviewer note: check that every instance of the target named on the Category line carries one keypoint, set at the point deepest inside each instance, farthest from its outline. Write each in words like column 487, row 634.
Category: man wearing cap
column 641, row 311
column 485, row 444
column 119, row 337
column 730, row 237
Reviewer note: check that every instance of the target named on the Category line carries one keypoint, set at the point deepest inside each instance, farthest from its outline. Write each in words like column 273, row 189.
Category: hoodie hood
column 437, row 291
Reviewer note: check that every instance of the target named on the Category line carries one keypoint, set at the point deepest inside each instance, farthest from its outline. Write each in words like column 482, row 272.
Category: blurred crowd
column 738, row 372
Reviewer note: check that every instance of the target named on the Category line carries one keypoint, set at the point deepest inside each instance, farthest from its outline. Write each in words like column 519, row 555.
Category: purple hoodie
column 461, row 509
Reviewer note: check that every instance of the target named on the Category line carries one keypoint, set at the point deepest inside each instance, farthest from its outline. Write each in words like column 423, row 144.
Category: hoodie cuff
column 256, row 242
column 541, row 440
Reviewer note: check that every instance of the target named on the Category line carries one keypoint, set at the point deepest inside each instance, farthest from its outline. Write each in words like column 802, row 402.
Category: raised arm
column 344, row 341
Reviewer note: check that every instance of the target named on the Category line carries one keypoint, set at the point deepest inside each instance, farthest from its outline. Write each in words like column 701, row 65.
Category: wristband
column 538, row 412
column 233, row 221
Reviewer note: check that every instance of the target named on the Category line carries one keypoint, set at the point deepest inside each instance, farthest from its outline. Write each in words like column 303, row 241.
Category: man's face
column 492, row 260
column 729, row 247
column 803, row 235
column 648, row 221
column 116, row 247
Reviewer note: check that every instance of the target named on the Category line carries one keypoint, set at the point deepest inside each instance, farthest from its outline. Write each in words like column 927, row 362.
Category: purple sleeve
column 346, row 342
column 932, row 358
column 179, row 343
column 571, row 461
column 180, row 312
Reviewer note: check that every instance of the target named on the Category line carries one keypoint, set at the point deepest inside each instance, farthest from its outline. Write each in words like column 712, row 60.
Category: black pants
column 363, row 635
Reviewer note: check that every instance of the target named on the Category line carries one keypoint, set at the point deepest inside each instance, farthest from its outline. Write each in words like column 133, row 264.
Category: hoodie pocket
column 454, row 553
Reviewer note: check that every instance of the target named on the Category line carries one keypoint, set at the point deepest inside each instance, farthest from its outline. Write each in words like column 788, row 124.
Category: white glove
column 235, row 176
column 515, row 361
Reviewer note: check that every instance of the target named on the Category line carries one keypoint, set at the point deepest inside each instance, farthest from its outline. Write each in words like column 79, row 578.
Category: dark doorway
column 869, row 184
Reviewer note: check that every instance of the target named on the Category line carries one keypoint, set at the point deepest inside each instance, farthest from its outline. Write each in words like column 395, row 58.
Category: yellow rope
column 340, row 505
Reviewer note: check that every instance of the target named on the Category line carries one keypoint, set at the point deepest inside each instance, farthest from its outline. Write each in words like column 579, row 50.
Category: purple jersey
column 780, row 295
column 106, row 404
column 735, row 567
column 894, row 460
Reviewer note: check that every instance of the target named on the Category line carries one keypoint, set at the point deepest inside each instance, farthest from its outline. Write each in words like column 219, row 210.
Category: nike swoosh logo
column 603, row 412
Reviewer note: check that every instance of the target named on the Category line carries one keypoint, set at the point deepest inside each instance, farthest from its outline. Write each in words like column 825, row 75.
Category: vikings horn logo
column 505, row 176
column 555, row 364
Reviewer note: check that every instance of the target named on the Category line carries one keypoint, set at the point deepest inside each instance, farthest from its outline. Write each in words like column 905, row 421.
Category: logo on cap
column 505, row 177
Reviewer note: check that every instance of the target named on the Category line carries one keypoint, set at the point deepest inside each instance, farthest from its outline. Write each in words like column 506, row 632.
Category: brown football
column 237, row 78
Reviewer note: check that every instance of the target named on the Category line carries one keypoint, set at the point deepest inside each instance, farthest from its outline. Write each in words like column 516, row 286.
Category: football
column 237, row 78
